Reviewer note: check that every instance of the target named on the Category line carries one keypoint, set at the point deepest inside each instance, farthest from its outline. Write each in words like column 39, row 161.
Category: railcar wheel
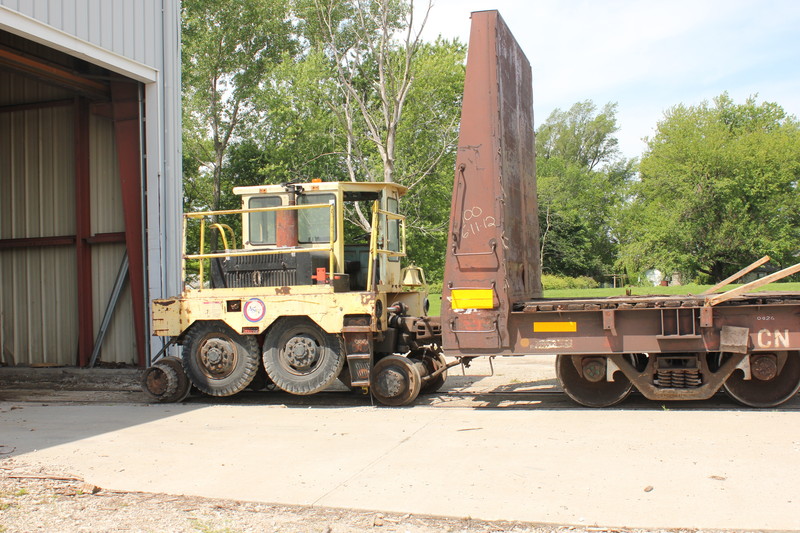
column 160, row 383
column 184, row 385
column 301, row 358
column 767, row 387
column 434, row 363
column 590, row 388
column 217, row 360
column 395, row 380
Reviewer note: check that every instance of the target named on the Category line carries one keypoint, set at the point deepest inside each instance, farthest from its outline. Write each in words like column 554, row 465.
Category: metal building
column 90, row 168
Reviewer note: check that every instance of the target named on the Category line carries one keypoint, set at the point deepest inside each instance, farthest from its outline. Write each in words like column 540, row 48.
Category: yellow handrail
column 221, row 228
column 202, row 214
column 373, row 247
column 248, row 253
column 331, row 248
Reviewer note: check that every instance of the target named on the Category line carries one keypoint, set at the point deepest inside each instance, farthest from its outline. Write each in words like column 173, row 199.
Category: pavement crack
column 375, row 461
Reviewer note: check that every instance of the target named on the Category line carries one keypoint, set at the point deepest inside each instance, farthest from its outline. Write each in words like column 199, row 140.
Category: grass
column 436, row 300
column 436, row 304
column 643, row 291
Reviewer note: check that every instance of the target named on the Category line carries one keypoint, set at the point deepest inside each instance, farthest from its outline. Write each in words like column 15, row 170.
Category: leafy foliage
column 551, row 282
column 582, row 183
column 277, row 92
column 718, row 190
column 227, row 49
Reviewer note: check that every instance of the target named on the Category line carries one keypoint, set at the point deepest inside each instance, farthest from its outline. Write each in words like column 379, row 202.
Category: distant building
column 84, row 178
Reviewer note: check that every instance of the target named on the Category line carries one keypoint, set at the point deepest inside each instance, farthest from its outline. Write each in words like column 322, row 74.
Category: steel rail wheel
column 160, row 383
column 300, row 357
column 767, row 387
column 433, row 363
column 184, row 386
column 217, row 360
column 594, row 392
column 395, row 380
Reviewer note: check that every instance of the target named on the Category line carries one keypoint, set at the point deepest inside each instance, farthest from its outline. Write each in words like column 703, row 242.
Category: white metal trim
column 35, row 30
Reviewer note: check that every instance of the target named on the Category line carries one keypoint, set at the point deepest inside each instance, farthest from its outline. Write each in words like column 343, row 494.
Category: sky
column 646, row 56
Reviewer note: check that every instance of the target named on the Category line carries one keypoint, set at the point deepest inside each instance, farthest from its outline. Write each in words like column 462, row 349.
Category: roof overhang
column 35, row 30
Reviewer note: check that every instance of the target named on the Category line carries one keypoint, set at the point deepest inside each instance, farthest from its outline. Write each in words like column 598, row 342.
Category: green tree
column 582, row 182
column 580, row 136
column 718, row 190
column 427, row 140
column 372, row 44
column 305, row 132
column 348, row 92
column 227, row 49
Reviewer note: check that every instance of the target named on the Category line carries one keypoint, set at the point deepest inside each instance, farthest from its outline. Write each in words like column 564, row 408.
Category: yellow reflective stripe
column 555, row 327
column 472, row 299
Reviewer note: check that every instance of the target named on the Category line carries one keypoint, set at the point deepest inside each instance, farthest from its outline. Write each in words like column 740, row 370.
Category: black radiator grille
column 276, row 270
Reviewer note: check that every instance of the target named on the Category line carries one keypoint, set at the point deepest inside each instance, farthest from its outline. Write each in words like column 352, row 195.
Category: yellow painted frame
column 374, row 250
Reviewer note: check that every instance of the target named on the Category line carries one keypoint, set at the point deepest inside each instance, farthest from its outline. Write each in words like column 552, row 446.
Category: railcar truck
column 307, row 298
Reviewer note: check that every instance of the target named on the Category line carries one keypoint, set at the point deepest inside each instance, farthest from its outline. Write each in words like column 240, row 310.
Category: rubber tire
column 246, row 366
column 184, row 385
column 261, row 381
column 324, row 372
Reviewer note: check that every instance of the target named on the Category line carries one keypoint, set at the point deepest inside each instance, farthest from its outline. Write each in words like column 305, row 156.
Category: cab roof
column 327, row 186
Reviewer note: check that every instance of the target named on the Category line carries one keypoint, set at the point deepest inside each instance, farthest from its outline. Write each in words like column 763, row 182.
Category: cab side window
column 262, row 225
column 393, row 229
column 313, row 225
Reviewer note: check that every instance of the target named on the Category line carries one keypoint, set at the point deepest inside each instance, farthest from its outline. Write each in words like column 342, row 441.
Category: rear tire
column 160, row 383
column 217, row 360
column 300, row 357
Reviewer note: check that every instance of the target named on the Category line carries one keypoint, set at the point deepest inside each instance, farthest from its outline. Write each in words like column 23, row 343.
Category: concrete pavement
column 532, row 457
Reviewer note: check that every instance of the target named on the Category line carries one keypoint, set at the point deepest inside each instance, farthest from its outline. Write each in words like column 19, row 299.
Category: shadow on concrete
column 34, row 419
column 529, row 395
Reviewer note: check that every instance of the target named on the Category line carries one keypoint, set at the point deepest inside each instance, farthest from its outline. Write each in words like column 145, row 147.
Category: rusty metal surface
column 654, row 329
column 644, row 382
column 493, row 242
column 127, row 135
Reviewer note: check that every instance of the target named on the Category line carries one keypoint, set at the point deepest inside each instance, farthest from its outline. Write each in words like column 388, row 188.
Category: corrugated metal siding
column 148, row 32
column 119, row 344
column 38, row 295
column 38, row 286
column 126, row 27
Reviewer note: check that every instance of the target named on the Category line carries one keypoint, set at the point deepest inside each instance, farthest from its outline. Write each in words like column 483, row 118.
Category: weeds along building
column 90, row 166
